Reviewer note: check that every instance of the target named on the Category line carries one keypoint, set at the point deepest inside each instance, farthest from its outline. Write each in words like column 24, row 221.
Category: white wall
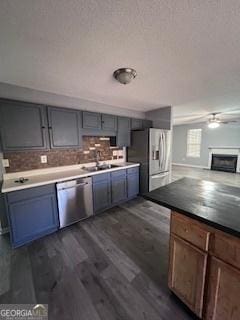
column 227, row 135
column 9, row 91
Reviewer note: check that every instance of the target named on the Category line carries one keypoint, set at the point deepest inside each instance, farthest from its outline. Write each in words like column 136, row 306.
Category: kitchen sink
column 101, row 168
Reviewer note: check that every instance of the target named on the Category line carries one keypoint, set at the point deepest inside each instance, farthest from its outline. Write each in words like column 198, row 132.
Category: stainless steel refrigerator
column 152, row 149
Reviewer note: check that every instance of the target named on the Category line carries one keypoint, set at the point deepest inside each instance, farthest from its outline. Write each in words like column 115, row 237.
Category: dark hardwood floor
column 113, row 266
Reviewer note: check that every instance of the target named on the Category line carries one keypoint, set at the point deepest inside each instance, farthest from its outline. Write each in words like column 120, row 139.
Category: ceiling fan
column 214, row 121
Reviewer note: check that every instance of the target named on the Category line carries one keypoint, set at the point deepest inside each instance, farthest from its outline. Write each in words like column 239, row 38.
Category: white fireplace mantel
column 224, row 150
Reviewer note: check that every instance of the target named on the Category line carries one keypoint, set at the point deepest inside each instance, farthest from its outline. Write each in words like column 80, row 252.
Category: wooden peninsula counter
column 204, row 260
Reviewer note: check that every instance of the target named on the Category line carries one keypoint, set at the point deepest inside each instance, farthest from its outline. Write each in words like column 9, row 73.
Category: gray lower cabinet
column 92, row 120
column 64, row 127
column 118, row 186
column 110, row 189
column 124, row 132
column 136, row 124
column 32, row 213
column 101, row 192
column 109, row 122
column 132, row 182
column 22, row 126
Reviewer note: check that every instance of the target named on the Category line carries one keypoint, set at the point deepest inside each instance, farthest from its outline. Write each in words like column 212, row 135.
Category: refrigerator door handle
column 161, row 150
column 164, row 151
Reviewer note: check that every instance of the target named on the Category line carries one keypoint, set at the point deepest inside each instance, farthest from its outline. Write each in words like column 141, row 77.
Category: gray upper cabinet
column 22, row 125
column 109, row 122
column 147, row 124
column 123, row 134
column 136, row 124
column 64, row 127
column 92, row 120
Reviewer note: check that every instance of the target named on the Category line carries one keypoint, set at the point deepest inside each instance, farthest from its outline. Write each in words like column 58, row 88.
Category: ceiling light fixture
column 213, row 124
column 124, row 75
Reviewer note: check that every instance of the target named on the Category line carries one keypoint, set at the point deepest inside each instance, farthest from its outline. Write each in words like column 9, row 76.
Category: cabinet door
column 223, row 292
column 123, row 134
column 32, row 218
column 91, row 120
column 147, row 124
column 23, row 125
column 109, row 122
column 119, row 189
column 64, row 127
column 101, row 196
column 136, row 124
column 187, row 270
column 132, row 185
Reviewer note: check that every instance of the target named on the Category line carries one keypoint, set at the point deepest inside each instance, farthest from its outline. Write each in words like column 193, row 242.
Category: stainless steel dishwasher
column 75, row 200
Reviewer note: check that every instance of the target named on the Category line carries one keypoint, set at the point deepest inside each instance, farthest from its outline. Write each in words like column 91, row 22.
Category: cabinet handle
column 43, row 127
column 50, row 128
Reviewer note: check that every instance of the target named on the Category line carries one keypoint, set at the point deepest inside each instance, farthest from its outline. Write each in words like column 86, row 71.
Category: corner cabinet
column 64, row 128
column 22, row 126
column 32, row 213
column 113, row 188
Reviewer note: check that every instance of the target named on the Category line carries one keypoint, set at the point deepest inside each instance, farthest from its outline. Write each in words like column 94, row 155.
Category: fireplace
column 224, row 162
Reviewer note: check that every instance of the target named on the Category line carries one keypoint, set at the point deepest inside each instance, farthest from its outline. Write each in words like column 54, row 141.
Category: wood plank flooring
column 229, row 178
column 111, row 267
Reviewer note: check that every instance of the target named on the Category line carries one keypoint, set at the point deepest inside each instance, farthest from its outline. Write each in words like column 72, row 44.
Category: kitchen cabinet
column 136, row 124
column 109, row 122
column 147, row 124
column 22, row 126
column 132, row 182
column 187, row 270
column 101, row 192
column 32, row 213
column 64, row 128
column 212, row 293
column 124, row 130
column 92, row 120
column 118, row 186
column 113, row 188
column 223, row 291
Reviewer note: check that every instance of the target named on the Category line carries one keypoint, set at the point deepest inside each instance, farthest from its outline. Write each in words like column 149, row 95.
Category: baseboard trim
column 189, row 165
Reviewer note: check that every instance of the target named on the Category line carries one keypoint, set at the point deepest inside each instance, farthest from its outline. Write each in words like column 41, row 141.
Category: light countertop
column 42, row 177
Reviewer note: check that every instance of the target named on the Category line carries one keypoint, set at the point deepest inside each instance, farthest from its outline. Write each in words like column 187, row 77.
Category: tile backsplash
column 30, row 159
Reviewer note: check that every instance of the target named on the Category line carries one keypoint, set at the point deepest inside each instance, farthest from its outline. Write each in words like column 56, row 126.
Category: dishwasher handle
column 75, row 186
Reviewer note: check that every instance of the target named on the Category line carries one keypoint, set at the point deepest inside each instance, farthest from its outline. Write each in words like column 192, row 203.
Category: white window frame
column 194, row 139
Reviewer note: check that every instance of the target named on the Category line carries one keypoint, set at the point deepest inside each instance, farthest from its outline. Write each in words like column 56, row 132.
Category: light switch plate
column 43, row 159
column 5, row 163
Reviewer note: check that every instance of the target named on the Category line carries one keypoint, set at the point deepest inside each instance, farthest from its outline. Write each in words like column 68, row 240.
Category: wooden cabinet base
column 187, row 277
column 204, row 269
column 223, row 300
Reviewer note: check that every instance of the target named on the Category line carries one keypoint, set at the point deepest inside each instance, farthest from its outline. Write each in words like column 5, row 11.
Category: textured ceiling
column 186, row 52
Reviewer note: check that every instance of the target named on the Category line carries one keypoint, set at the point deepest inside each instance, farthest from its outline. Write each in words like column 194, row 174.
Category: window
column 194, row 137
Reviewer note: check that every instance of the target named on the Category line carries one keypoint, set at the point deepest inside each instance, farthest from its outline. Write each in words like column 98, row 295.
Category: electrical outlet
column 5, row 163
column 43, row 159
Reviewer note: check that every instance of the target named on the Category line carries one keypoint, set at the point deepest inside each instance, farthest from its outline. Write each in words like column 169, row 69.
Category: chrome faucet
column 97, row 158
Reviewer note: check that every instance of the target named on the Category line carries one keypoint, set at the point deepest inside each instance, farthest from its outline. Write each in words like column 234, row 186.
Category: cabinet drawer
column 100, row 177
column 30, row 193
column 190, row 230
column 226, row 248
column 132, row 170
column 118, row 173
